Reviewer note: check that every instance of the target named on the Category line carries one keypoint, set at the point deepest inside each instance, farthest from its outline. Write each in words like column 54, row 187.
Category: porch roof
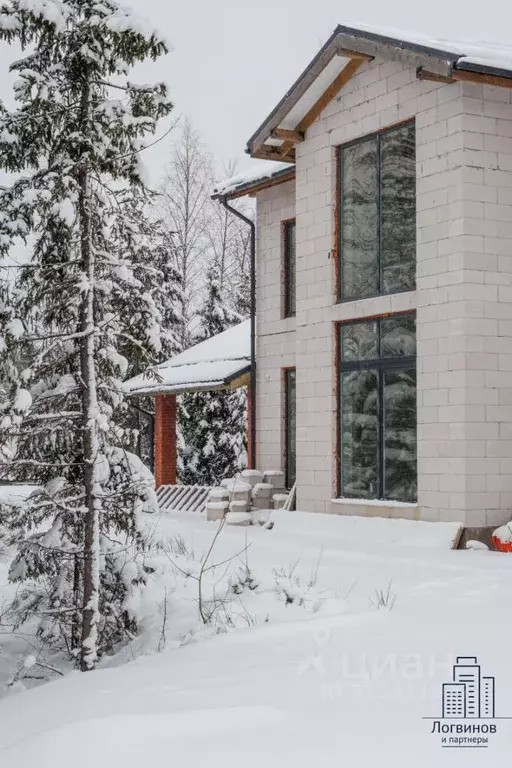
column 221, row 362
column 340, row 58
column 257, row 177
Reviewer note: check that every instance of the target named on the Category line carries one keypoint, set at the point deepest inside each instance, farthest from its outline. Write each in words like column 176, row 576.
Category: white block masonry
column 275, row 336
column 216, row 510
column 463, row 297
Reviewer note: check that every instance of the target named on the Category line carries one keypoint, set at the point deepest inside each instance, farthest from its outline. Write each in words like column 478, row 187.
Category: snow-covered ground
column 310, row 670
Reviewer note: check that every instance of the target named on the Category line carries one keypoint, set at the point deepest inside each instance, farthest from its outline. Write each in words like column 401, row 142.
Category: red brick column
column 165, row 440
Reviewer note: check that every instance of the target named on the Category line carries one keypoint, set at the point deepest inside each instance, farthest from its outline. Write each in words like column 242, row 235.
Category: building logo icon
column 468, row 718
column 470, row 695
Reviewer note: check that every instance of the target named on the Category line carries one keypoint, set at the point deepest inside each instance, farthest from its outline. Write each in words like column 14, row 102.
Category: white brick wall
column 275, row 346
column 463, row 297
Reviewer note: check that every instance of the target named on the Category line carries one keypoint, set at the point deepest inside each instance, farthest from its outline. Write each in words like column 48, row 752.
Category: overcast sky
column 232, row 60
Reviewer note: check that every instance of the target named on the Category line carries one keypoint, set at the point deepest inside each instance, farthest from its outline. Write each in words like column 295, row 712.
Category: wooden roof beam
column 482, row 78
column 287, row 149
column 436, row 77
column 283, row 133
column 349, row 54
column 328, row 95
column 282, row 154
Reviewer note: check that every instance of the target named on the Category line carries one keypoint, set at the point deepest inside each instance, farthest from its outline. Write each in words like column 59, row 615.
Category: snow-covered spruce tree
column 147, row 239
column 76, row 309
column 213, row 424
column 153, row 255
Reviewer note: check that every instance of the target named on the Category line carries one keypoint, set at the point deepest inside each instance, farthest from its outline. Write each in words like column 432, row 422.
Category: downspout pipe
column 252, row 384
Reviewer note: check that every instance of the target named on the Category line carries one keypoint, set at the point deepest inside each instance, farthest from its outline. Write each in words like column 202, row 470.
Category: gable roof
column 342, row 55
column 216, row 363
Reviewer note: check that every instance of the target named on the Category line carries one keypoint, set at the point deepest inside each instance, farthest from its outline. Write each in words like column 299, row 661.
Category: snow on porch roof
column 213, row 364
column 257, row 177
column 348, row 48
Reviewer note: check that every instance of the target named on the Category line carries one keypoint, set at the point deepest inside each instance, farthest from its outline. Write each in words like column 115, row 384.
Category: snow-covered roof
column 212, row 364
column 341, row 56
column 466, row 52
column 256, row 177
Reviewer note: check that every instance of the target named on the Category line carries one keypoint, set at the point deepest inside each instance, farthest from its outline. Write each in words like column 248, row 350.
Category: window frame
column 287, row 310
column 339, row 212
column 380, row 365
column 286, row 422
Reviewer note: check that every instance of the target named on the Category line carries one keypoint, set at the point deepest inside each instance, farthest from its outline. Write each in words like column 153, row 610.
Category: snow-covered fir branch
column 97, row 297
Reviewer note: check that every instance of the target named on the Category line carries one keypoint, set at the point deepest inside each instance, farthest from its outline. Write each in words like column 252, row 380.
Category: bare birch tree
column 186, row 211
column 229, row 240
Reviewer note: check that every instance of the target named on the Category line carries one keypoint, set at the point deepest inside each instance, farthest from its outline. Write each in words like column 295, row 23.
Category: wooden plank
column 283, row 133
column 483, row 79
column 351, row 54
column 329, row 94
column 200, row 498
column 426, row 74
column 273, row 154
column 194, row 496
column 182, row 498
column 178, row 493
column 186, row 499
column 163, row 494
column 457, row 538
column 296, row 92
column 287, row 149
column 244, row 379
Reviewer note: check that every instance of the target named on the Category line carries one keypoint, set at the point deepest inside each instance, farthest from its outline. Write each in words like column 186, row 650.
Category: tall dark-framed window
column 290, row 426
column 289, row 268
column 377, row 408
column 377, row 208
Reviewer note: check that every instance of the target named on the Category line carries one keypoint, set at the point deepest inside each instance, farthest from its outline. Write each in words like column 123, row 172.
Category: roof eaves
column 394, row 42
column 236, row 375
column 190, row 386
column 326, row 52
column 482, row 69
column 257, row 185
column 177, row 389
column 356, row 41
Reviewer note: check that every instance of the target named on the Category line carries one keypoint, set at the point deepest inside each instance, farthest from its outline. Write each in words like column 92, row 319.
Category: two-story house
column 384, row 279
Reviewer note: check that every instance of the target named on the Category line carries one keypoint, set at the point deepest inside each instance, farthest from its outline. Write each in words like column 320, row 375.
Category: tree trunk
column 90, row 611
column 76, row 621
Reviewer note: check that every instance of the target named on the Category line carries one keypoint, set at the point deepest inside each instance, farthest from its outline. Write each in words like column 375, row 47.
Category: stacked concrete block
column 275, row 478
column 217, row 504
column 216, row 510
column 251, row 477
column 239, row 506
column 261, row 495
column 279, row 500
column 218, row 494
column 240, row 491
